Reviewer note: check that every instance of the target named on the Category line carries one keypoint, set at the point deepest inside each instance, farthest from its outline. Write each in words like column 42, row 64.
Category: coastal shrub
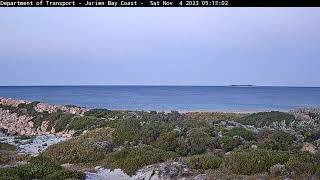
column 7, row 147
column 39, row 118
column 213, row 131
column 97, row 135
column 189, row 124
column 213, row 116
column 13, row 177
column 11, row 173
column 59, row 120
column 4, row 158
column 64, row 174
column 6, row 152
column 248, row 162
column 39, row 167
column 19, row 111
column 262, row 119
column 167, row 141
column 151, row 130
column 196, row 141
column 131, row 159
column 99, row 113
column 229, row 143
column 242, row 132
column 281, row 140
column 30, row 106
column 278, row 140
column 303, row 163
column 82, row 123
column 125, row 131
column 89, row 147
column 73, row 151
column 311, row 136
column 204, row 161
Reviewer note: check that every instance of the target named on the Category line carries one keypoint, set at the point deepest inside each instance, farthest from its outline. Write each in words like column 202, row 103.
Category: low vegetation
column 89, row 147
column 263, row 119
column 39, row 168
column 131, row 159
column 239, row 145
column 254, row 161
column 204, row 161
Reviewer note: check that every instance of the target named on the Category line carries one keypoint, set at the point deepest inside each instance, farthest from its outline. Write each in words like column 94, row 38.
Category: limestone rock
column 308, row 147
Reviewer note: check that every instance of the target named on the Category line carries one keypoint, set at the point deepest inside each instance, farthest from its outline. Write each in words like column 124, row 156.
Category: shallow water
column 183, row 98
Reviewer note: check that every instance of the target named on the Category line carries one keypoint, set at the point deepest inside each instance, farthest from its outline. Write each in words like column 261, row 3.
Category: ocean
column 166, row 98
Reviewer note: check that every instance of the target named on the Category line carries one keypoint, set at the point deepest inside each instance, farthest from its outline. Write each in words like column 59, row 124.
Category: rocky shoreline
column 15, row 124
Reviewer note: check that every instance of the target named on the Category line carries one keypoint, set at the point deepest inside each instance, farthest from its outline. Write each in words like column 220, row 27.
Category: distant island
column 241, row 85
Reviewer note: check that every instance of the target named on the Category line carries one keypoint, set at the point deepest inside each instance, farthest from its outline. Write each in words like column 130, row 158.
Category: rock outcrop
column 15, row 124
column 12, row 102
column 308, row 147
column 44, row 107
column 23, row 125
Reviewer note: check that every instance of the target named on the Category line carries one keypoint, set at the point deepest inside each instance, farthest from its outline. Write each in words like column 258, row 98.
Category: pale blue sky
column 160, row 46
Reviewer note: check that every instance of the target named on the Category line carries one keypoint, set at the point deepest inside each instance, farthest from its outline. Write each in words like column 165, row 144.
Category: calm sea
column 183, row 98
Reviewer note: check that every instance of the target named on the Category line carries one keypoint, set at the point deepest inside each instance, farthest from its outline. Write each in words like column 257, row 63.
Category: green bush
column 302, row 163
column 30, row 106
column 204, row 161
column 239, row 131
column 229, row 143
column 82, row 123
column 72, row 151
column 59, row 120
column 7, row 147
column 310, row 136
column 167, row 141
column 13, row 177
column 250, row 162
column 38, row 168
column 89, row 147
column 4, row 158
column 212, row 116
column 131, row 159
column 6, row 152
column 99, row 113
column 151, row 130
column 196, row 141
column 13, row 173
column 189, row 124
column 262, row 119
column 281, row 141
column 125, row 131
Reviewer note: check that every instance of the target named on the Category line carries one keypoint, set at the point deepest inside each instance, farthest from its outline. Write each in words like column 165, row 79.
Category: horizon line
column 231, row 85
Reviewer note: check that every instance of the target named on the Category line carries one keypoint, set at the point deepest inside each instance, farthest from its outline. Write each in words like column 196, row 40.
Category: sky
column 160, row 46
